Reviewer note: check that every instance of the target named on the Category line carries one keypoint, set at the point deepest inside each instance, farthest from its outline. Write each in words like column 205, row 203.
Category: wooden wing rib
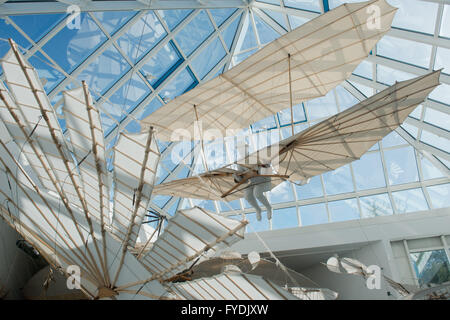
column 324, row 52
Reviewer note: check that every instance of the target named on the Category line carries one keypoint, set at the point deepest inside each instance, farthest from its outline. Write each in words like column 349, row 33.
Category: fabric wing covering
column 188, row 235
column 59, row 218
column 230, row 286
column 323, row 147
column 323, row 53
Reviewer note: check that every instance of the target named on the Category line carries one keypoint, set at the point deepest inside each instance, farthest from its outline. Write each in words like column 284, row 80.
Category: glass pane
column 8, row 31
column 284, row 116
column 435, row 140
column 313, row 214
column 45, row 71
column 429, row 171
column 281, row 193
column 230, row 32
column 247, row 38
column 365, row 90
column 142, row 37
column 441, row 93
column 343, row 210
column 265, row 32
column 221, row 15
column 409, row 200
column 393, row 139
column 230, row 206
column 173, row 17
column 311, row 190
column 278, row 17
column 192, row 35
column 113, row 20
column 445, row 24
column 310, row 5
column 255, row 225
column 322, row 107
column 389, row 76
column 415, row 15
column 338, row 181
column 37, row 25
column 285, row 218
column 401, row 165
column 431, row 267
column 345, row 98
column 364, row 69
column 437, row 118
column 296, row 21
column 440, row 195
column 369, row 172
column 177, row 86
column 264, row 124
column 208, row 58
column 376, row 205
column 411, row 52
column 442, row 60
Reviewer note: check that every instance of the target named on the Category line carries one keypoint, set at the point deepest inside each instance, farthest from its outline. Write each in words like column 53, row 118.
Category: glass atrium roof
column 138, row 55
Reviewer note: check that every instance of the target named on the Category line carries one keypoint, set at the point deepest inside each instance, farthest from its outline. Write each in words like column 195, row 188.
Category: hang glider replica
column 88, row 222
column 325, row 146
column 301, row 65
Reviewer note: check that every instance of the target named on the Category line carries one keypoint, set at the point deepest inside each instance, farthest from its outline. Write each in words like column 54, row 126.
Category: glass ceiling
column 136, row 61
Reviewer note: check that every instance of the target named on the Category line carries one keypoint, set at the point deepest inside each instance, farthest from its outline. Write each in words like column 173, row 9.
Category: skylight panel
column 417, row 113
column 437, row 118
column 284, row 116
column 435, row 140
column 275, row 2
column 234, row 205
column 8, row 31
column 285, row 218
column 104, row 71
column 416, row 15
column 266, row 33
column 178, row 85
column 69, row 47
column 37, row 26
column 173, row 17
column 343, row 210
column 45, row 70
column 345, row 98
column 192, row 35
column 389, row 76
column 442, row 60
column 375, row 205
column 247, row 38
column 393, row 139
column 281, row 193
column 364, row 69
column 255, row 225
column 155, row 104
column 369, row 172
column 311, row 190
column 113, row 20
column 365, row 90
column 439, row 195
column 445, row 24
column 230, row 32
column 411, row 52
column 310, row 5
column 441, row 94
column 208, row 58
column 161, row 64
column 142, row 37
column 429, row 170
column 296, row 21
column 241, row 57
column 338, row 181
column 412, row 130
column 411, row 200
column 336, row 3
column 313, row 214
column 401, row 165
column 321, row 107
column 221, row 15
column 264, row 124
column 276, row 16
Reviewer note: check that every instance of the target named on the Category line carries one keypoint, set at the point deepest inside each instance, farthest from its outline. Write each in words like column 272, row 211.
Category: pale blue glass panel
column 445, row 24
column 221, row 15
column 345, row 98
column 281, row 193
column 37, row 25
column 412, row 130
column 343, row 210
column 247, row 38
column 415, row 15
column 364, row 69
column 133, row 127
column 192, row 35
column 322, row 107
column 311, row 190
column 264, row 124
column 284, row 116
column 154, row 105
column 229, row 206
column 276, row 2
column 241, row 57
column 393, row 139
column 376, row 205
column 230, row 32
column 441, row 93
column 435, row 140
column 113, row 20
column 159, row 65
column 365, row 90
column 444, row 161
column 338, row 181
column 104, row 71
column 173, row 17
column 401, row 165
column 389, row 76
column 431, row 267
column 440, row 195
column 336, row 3
column 178, row 85
column 278, row 17
column 45, row 70
column 160, row 201
column 313, row 214
column 284, row 218
column 429, row 171
column 296, row 21
column 417, row 113
column 408, row 51
column 69, row 47
column 205, row 204
column 172, row 209
column 8, row 31
column 369, row 172
column 265, row 32
column 409, row 200
column 437, row 118
column 142, row 37
column 255, row 225
column 107, row 123
column 208, row 58
column 442, row 60
column 310, row 5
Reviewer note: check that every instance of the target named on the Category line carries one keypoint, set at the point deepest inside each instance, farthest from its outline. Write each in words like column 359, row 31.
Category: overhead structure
column 304, row 64
column 325, row 146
